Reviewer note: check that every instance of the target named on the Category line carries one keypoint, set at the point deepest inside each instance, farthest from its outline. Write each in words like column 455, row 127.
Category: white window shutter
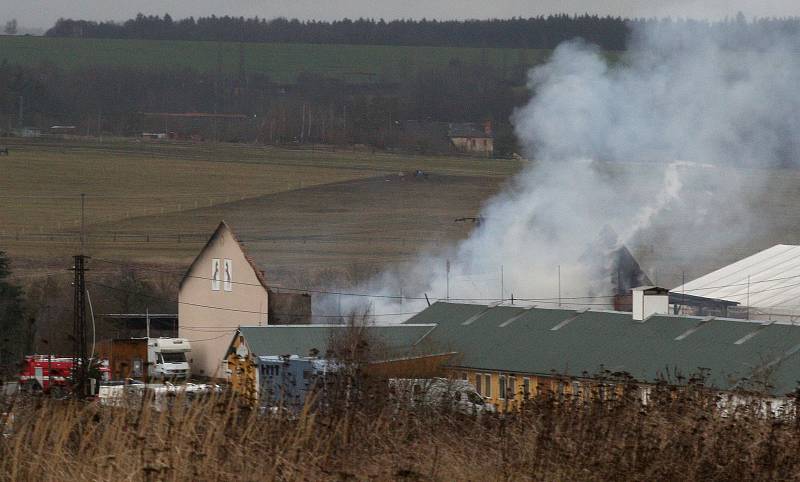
column 215, row 274
column 227, row 274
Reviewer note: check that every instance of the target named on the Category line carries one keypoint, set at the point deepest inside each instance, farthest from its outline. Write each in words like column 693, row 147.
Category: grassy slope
column 281, row 62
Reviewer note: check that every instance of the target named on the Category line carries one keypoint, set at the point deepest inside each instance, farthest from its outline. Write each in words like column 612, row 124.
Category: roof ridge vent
column 754, row 332
column 474, row 317
column 517, row 316
column 569, row 320
column 691, row 330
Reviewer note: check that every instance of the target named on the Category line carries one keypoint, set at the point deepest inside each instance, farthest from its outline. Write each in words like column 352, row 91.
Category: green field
column 282, row 62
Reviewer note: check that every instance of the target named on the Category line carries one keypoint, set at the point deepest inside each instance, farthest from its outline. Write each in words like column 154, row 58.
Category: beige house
column 473, row 139
column 222, row 290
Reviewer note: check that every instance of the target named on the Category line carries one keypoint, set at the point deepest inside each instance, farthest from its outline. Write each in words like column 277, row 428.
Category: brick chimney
column 487, row 127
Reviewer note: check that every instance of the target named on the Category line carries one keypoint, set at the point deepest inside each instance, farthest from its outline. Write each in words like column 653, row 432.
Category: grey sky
column 43, row 13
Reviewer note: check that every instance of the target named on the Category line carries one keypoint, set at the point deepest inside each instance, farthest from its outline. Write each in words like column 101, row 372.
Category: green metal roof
column 545, row 341
column 585, row 343
column 388, row 341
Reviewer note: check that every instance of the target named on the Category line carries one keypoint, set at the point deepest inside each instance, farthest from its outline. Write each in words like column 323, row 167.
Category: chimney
column 487, row 127
column 649, row 300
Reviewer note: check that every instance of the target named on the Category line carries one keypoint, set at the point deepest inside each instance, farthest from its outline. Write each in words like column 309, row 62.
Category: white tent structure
column 767, row 283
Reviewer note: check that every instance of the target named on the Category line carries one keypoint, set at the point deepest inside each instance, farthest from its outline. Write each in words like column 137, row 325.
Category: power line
column 213, row 338
column 422, row 298
column 221, row 308
column 342, row 293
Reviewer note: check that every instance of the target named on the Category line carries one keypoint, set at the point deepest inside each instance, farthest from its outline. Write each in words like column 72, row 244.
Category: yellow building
column 509, row 353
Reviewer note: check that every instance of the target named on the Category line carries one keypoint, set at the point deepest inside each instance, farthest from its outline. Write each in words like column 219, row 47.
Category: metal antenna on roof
column 559, row 286
column 447, row 270
column 502, row 285
column 748, row 297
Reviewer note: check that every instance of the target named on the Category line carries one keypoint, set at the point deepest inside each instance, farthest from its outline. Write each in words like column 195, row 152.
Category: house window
column 227, row 275
column 478, row 384
column 512, row 387
column 487, row 382
column 576, row 390
column 526, row 388
column 502, row 392
column 216, row 274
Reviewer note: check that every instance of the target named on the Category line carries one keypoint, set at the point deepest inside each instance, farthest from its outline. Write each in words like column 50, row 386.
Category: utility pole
column 83, row 223
column 80, row 358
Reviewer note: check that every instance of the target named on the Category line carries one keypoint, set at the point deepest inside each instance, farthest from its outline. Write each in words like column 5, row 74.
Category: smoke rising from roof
column 642, row 145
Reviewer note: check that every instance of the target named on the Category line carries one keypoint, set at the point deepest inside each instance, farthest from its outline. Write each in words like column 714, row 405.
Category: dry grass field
column 157, row 202
column 678, row 436
column 302, row 212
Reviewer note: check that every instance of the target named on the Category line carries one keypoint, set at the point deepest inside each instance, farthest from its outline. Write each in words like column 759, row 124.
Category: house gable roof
column 468, row 130
column 223, row 226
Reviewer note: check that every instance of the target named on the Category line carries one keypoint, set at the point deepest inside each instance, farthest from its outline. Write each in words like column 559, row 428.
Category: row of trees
column 313, row 109
column 38, row 319
column 543, row 32
column 538, row 32
column 16, row 337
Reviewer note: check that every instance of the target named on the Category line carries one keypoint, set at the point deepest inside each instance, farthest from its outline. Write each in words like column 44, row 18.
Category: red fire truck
column 50, row 374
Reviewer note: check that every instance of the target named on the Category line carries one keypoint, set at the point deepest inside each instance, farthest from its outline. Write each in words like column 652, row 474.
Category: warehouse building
column 509, row 353
column 763, row 286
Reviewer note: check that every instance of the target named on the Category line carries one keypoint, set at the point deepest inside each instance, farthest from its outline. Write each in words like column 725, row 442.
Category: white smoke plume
column 652, row 146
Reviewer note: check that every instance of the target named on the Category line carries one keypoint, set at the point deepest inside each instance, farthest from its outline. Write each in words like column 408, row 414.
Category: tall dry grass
column 361, row 436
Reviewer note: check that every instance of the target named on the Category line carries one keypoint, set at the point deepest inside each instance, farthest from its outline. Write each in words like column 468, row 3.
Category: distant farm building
column 198, row 126
column 59, row 130
column 27, row 132
column 763, row 286
column 470, row 138
column 222, row 290
column 442, row 137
